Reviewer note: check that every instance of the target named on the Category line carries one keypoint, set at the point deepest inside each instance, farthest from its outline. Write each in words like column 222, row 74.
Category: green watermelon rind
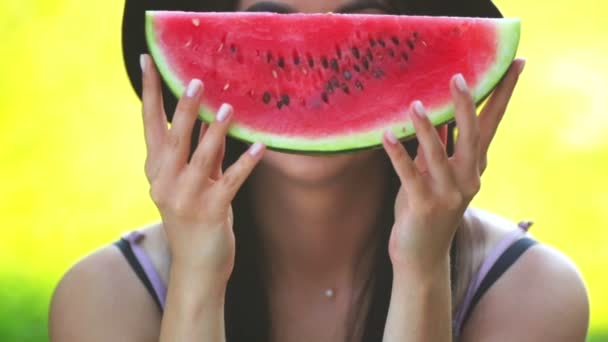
column 508, row 32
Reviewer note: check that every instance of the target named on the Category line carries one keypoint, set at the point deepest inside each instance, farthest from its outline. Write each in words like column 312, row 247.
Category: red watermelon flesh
column 328, row 82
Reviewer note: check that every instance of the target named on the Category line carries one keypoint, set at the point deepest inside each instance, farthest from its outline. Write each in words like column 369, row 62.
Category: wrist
column 208, row 271
column 421, row 298
column 422, row 274
column 198, row 288
column 194, row 308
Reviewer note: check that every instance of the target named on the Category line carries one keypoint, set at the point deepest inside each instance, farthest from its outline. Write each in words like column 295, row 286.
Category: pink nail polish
column 194, row 87
column 390, row 136
column 419, row 109
column 461, row 84
column 223, row 112
column 255, row 149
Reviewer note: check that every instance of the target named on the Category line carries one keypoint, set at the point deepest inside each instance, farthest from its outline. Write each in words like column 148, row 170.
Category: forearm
column 194, row 310
column 420, row 307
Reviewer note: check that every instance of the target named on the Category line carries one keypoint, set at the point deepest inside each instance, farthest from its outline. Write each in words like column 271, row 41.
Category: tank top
column 502, row 256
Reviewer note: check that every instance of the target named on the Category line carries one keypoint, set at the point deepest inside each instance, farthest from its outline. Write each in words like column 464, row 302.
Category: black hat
column 134, row 42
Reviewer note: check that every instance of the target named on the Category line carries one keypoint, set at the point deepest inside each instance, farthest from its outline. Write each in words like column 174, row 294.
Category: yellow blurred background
column 72, row 151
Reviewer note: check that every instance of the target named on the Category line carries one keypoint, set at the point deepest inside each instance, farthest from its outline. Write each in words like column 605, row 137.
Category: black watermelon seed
column 345, row 89
column 381, row 42
column 378, row 73
column 359, row 85
column 334, row 65
column 391, row 52
column 347, row 75
column 372, row 43
column 334, row 82
column 395, row 40
column 410, row 44
column 281, row 62
column 370, row 55
column 405, row 56
column 266, row 97
column 311, row 62
column 232, row 48
column 285, row 99
column 365, row 64
column 329, row 88
column 356, row 53
column 279, row 104
column 325, row 97
column 296, row 60
column 268, row 57
column 324, row 62
column 356, row 67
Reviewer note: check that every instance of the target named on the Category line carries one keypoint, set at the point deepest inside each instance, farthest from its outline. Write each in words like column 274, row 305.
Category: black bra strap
column 127, row 251
column 506, row 260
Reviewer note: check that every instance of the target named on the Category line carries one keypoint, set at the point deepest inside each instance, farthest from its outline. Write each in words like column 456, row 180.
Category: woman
column 360, row 247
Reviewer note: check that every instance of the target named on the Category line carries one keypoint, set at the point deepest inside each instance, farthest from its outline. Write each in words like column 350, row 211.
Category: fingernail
column 419, row 109
column 390, row 136
column 194, row 87
column 256, row 148
column 461, row 84
column 142, row 62
column 521, row 67
column 223, row 112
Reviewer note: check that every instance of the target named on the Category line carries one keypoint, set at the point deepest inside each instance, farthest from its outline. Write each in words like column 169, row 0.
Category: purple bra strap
column 487, row 264
column 160, row 289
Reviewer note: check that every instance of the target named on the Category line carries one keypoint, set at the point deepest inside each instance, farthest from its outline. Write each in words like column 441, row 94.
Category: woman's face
column 315, row 169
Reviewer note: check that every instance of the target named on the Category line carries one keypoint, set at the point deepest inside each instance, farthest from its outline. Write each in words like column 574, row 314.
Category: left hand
column 436, row 190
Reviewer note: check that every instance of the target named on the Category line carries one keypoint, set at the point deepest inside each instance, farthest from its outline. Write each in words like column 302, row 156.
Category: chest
column 320, row 320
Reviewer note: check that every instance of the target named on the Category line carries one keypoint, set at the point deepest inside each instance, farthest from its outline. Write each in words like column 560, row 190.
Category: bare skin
column 87, row 306
column 314, row 242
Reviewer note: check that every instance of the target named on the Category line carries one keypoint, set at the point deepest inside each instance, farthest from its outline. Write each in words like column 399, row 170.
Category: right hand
column 193, row 198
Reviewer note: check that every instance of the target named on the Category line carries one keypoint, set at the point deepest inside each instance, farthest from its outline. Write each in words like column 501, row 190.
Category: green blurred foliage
column 72, row 146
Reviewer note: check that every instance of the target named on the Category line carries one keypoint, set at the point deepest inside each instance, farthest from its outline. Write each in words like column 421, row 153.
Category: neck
column 319, row 234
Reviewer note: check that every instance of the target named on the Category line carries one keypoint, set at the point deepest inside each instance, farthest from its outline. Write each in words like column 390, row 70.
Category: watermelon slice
column 322, row 83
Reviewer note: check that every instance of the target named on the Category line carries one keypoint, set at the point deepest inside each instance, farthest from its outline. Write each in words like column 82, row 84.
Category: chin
column 317, row 170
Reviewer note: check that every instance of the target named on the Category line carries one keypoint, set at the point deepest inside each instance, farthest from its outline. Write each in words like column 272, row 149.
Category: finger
column 403, row 164
column 217, row 173
column 202, row 131
column 235, row 175
column 183, row 123
column 201, row 134
column 443, row 134
column 419, row 161
column 467, row 143
column 155, row 121
column 206, row 159
column 495, row 108
column 435, row 155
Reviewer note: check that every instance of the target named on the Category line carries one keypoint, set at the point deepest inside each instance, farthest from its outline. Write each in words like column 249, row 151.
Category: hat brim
column 134, row 41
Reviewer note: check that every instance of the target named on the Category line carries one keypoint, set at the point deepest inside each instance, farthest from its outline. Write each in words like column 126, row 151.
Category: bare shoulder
column 101, row 299
column 492, row 226
column 542, row 297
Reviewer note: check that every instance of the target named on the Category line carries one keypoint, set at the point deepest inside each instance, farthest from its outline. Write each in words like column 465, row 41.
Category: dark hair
column 247, row 313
